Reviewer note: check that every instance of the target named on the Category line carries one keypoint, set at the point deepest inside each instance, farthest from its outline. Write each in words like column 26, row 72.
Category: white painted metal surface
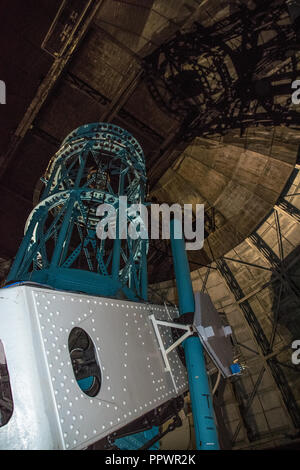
column 50, row 410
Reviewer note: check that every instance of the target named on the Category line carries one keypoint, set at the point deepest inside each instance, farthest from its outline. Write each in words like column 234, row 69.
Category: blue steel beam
column 202, row 407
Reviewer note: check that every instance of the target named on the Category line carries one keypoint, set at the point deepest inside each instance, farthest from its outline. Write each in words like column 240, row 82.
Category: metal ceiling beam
column 45, row 136
column 205, row 280
column 276, row 317
column 288, row 209
column 75, row 82
column 245, row 410
column 118, row 43
column 122, row 96
column 281, row 271
column 259, row 243
column 263, row 343
column 279, row 236
column 166, row 154
column 252, row 265
column 47, row 85
column 250, row 316
column 276, row 276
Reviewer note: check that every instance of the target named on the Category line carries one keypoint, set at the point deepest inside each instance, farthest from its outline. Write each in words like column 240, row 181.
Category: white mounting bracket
column 189, row 331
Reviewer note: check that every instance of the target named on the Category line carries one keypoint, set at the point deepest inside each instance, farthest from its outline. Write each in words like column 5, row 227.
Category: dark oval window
column 6, row 400
column 84, row 361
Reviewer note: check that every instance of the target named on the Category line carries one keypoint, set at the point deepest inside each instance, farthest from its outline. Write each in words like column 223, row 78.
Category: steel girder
column 263, row 343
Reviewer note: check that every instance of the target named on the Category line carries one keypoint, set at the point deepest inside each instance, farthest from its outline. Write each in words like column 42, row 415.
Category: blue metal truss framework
column 97, row 163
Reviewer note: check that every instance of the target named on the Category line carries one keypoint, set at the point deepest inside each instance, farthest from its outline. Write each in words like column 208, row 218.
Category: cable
column 217, row 383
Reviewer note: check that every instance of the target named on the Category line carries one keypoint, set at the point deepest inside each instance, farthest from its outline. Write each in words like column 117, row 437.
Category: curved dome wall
column 241, row 184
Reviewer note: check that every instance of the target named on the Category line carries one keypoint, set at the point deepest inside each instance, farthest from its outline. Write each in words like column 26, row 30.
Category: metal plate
column 214, row 336
column 133, row 377
column 67, row 20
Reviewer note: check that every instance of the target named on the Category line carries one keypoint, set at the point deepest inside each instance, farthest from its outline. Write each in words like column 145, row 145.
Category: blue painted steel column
column 202, row 407
column 63, row 232
column 144, row 273
column 23, row 248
